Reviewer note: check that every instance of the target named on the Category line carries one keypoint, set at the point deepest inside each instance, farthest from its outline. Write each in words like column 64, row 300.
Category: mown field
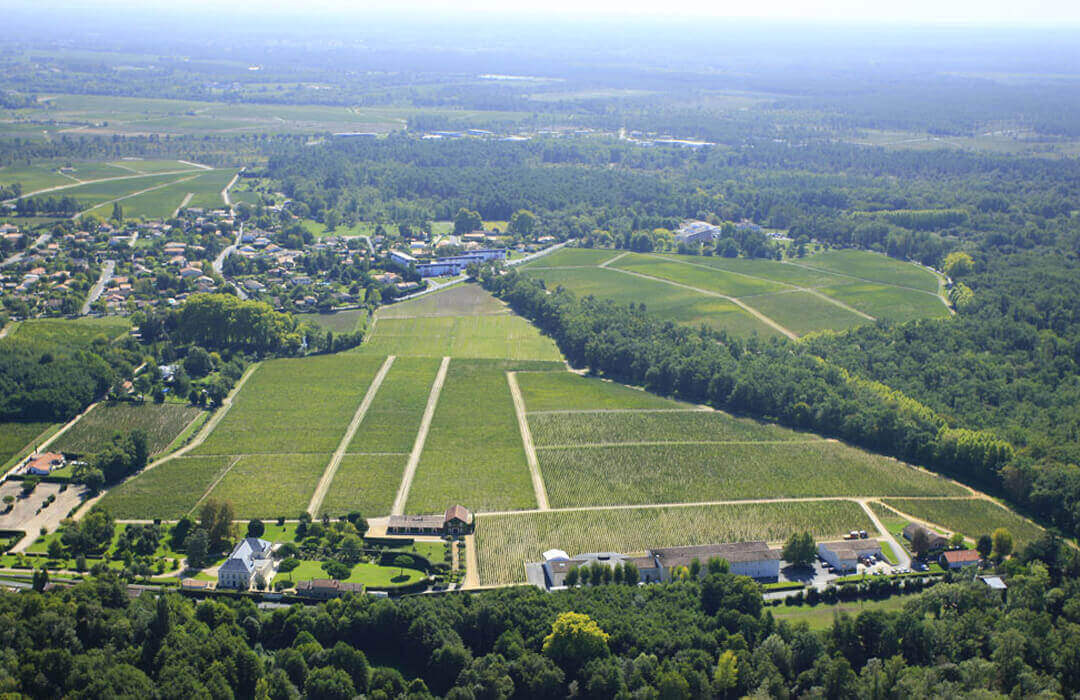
column 294, row 406
column 500, row 336
column 506, row 542
column 566, row 391
column 550, row 429
column 643, row 474
column 169, row 490
column 972, row 518
column 473, row 454
column 875, row 285
column 393, row 418
column 161, row 422
column 365, row 482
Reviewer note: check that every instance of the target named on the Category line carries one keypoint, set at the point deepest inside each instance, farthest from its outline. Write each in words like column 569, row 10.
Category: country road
column 99, row 286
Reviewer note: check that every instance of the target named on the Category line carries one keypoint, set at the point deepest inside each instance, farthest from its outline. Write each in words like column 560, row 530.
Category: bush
column 288, row 565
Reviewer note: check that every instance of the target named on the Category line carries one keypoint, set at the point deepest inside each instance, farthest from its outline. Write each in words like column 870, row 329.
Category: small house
column 936, row 540
column 44, row 464
column 845, row 554
column 960, row 558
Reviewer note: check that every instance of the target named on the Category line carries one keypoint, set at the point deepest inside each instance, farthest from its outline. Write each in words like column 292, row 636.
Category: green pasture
column 14, row 437
column 642, row 474
column 473, row 454
column 149, row 167
column 337, row 321
column 574, row 257
column 458, row 300
column 319, row 230
column 776, row 271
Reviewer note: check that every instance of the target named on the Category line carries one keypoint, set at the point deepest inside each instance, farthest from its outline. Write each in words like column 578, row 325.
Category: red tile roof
column 962, row 556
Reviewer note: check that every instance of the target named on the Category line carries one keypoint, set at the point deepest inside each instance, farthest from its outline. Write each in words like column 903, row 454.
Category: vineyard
column 391, row 421
column 169, row 490
column 270, row 486
column 161, row 423
column 972, row 518
column 366, row 483
column 506, row 542
column 679, row 426
column 565, row 391
column 495, row 336
column 643, row 474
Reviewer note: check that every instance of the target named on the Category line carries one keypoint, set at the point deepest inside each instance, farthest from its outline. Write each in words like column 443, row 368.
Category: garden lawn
column 367, row 483
column 169, row 490
column 499, row 336
column 292, row 406
column 271, row 486
column 971, row 518
column 566, row 391
column 365, row 573
column 93, row 432
column 687, row 473
column 393, row 418
column 626, row 427
column 820, row 617
column 473, row 454
column 506, row 542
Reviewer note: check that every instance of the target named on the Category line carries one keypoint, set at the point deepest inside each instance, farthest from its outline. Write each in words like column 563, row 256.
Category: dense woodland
column 707, row 639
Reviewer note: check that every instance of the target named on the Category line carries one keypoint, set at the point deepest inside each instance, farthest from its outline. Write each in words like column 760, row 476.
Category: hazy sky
column 978, row 12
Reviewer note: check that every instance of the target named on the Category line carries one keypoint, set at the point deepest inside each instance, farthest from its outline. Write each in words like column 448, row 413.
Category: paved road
column 41, row 241
column 219, row 261
column 99, row 287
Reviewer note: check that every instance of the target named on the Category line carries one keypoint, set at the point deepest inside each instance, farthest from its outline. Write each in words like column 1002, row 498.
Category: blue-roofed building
column 248, row 559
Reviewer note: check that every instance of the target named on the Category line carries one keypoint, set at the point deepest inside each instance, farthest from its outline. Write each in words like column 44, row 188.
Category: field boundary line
column 323, row 486
column 133, row 194
column 527, row 442
column 421, row 437
column 707, row 292
column 187, row 199
column 794, row 287
column 377, row 454
column 862, row 279
column 57, row 188
column 195, row 165
column 620, row 256
column 216, row 481
column 660, row 443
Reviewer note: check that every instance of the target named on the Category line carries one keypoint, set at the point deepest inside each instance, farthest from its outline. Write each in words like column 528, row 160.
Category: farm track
column 207, row 428
column 654, row 443
column 901, row 554
column 358, row 417
column 707, row 292
column 865, row 279
column 133, row 194
column 527, row 442
column 213, row 485
column 421, row 437
column 58, row 188
column 794, row 287
column 614, row 259
column 187, row 199
column 702, row 409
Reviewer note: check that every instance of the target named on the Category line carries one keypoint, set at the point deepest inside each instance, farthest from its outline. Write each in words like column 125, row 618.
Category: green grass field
column 459, row 300
column 294, row 406
column 365, row 573
column 169, row 490
column 506, row 542
column 271, row 486
column 643, row 474
column 93, row 194
column 16, row 436
column 161, row 422
column 366, row 483
column 66, row 334
column 595, row 428
column 566, row 391
column 874, row 267
column 820, row 617
column 34, row 177
column 319, row 230
column 972, row 518
column 473, row 454
column 503, row 336
column 393, row 418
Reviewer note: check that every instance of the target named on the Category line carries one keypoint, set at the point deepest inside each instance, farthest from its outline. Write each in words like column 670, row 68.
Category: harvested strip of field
column 169, row 490
column 497, row 336
column 506, row 542
column 271, row 486
column 803, row 312
column 94, row 431
column 714, row 280
column 873, row 267
column 366, row 483
column 971, row 518
column 566, row 391
column 392, row 420
column 691, row 426
column 473, row 454
column 882, row 301
column 294, row 406
column 462, row 300
column 640, row 474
